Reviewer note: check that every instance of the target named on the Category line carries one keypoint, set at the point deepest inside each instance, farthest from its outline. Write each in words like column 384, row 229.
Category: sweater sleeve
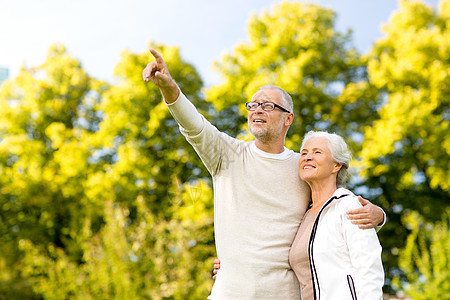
column 215, row 148
column 365, row 256
column 186, row 115
column 377, row 228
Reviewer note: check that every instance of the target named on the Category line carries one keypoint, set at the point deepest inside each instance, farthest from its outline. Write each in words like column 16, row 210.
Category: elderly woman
column 332, row 258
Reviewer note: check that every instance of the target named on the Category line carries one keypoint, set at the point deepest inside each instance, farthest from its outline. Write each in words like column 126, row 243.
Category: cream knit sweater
column 259, row 201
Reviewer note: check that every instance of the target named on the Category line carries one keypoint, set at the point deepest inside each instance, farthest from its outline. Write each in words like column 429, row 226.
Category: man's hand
column 216, row 268
column 158, row 72
column 368, row 216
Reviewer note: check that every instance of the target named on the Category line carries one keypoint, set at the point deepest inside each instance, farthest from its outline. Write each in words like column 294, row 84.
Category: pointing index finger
column 157, row 56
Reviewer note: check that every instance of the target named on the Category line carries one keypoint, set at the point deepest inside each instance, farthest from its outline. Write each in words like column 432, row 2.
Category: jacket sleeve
column 365, row 256
column 213, row 147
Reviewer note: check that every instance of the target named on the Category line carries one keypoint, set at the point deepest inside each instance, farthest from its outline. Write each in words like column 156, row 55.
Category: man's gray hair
column 287, row 99
column 339, row 152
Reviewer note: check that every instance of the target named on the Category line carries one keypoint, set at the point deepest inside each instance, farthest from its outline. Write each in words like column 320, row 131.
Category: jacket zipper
column 315, row 279
column 351, row 285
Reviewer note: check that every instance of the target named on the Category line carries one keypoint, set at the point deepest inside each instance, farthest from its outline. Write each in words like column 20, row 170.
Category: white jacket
column 345, row 260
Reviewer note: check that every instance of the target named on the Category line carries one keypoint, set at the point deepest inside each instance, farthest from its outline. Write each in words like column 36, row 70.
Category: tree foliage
column 144, row 259
column 295, row 46
column 405, row 155
column 95, row 179
column 43, row 156
column 426, row 258
column 411, row 64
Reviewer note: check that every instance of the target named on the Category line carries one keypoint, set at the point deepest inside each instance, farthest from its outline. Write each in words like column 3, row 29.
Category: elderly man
column 259, row 198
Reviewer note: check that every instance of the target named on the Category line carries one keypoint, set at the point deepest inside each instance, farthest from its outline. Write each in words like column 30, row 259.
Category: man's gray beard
column 264, row 136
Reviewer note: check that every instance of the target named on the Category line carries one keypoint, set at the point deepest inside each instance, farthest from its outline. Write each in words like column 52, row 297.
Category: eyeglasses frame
column 262, row 103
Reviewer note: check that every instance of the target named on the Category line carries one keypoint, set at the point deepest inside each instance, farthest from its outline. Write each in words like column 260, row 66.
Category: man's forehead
column 267, row 95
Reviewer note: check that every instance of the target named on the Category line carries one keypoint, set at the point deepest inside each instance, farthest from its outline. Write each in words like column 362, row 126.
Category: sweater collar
column 283, row 155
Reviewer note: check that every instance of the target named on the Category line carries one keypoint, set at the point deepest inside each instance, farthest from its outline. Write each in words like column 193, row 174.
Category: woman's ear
column 337, row 167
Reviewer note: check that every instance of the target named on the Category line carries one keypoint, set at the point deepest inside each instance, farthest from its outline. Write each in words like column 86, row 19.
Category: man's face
column 267, row 125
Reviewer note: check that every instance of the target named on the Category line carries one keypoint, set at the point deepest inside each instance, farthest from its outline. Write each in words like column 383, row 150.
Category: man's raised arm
column 158, row 72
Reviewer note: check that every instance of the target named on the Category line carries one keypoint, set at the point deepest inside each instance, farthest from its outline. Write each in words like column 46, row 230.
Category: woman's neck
column 320, row 193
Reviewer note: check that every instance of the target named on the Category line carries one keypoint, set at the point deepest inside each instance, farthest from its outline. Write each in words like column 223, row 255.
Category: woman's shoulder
column 346, row 199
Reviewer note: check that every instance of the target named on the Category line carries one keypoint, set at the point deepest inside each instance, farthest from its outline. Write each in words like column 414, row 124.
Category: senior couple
column 285, row 228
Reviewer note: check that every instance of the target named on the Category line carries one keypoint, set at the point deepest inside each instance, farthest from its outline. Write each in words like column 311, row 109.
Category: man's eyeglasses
column 267, row 106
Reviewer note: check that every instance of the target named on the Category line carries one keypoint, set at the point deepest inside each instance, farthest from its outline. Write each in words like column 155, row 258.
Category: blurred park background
column 102, row 198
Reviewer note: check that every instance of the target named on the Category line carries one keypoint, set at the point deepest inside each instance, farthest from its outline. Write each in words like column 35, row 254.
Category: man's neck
column 274, row 148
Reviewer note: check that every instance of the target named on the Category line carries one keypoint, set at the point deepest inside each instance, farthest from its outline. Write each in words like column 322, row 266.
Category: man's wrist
column 171, row 94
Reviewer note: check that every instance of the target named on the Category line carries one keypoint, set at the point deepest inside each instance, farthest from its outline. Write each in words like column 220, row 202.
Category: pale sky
column 97, row 31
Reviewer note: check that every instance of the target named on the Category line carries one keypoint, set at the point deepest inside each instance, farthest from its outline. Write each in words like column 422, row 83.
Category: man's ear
column 289, row 119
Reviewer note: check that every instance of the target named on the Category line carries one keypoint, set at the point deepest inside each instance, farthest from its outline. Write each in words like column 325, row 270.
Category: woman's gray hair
column 339, row 152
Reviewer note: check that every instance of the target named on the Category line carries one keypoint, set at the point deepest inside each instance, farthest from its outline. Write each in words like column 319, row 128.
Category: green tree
column 426, row 258
column 295, row 46
column 98, row 185
column 47, row 114
column 149, row 258
column 405, row 155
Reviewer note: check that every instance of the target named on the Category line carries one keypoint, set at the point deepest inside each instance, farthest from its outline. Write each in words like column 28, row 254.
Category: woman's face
column 316, row 162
